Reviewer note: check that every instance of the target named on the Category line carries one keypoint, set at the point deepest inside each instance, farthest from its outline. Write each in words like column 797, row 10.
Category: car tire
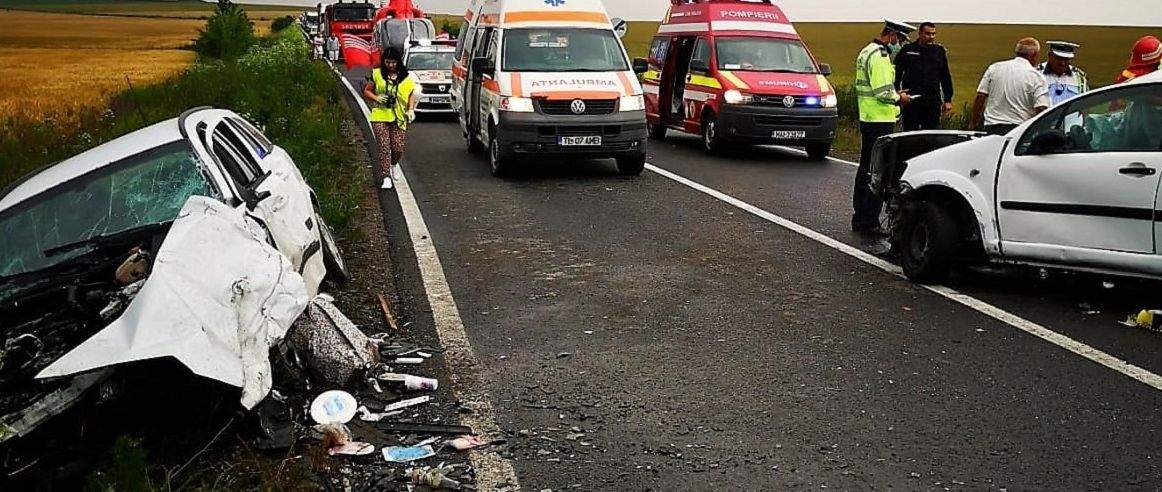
column 818, row 152
column 657, row 132
column 473, row 143
column 498, row 162
column 332, row 255
column 711, row 139
column 631, row 165
column 928, row 242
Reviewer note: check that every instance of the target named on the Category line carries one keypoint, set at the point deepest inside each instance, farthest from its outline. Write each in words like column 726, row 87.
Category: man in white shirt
column 1011, row 91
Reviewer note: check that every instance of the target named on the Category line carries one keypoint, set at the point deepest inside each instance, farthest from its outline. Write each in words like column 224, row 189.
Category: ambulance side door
column 699, row 85
column 652, row 81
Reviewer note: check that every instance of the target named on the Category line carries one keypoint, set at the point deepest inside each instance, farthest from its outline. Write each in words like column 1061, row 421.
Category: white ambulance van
column 547, row 78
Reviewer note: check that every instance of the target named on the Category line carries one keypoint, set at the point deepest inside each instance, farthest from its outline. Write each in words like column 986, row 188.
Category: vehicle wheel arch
column 960, row 206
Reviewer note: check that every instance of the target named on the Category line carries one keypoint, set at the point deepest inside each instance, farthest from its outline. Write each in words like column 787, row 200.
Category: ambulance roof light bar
column 690, row 2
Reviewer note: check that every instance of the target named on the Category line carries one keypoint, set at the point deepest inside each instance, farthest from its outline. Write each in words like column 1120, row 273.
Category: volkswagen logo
column 578, row 106
column 789, row 101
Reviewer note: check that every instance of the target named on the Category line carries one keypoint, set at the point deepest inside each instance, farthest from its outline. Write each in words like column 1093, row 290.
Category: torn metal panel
column 18, row 424
column 217, row 299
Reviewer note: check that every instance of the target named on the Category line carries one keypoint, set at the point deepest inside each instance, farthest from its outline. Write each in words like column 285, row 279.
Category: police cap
column 900, row 27
column 1063, row 49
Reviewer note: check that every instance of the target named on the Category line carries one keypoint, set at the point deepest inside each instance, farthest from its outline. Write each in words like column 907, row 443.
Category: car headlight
column 829, row 101
column 632, row 103
column 516, row 104
column 734, row 96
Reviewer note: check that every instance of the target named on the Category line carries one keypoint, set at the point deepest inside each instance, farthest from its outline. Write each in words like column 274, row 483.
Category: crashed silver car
column 1074, row 188
column 195, row 239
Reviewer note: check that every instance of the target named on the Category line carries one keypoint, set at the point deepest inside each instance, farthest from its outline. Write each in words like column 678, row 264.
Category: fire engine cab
column 736, row 71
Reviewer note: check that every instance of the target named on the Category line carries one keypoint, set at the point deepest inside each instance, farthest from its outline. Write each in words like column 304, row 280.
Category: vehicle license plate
column 440, row 100
column 788, row 134
column 578, row 141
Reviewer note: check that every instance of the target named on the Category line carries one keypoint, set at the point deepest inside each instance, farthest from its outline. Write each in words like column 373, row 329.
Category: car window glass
column 230, row 159
column 658, row 50
column 1124, row 120
column 764, row 54
column 148, row 188
column 562, row 49
column 463, row 38
column 701, row 56
column 248, row 139
column 254, row 133
column 228, row 142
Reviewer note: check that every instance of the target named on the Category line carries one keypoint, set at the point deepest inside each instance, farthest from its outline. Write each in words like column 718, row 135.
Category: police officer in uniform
column 1063, row 79
column 922, row 69
column 879, row 108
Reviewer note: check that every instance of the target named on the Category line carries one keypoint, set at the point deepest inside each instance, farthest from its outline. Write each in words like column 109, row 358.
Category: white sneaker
column 396, row 172
column 386, row 183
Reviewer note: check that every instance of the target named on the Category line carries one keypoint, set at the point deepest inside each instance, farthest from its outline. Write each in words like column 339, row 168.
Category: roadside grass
column 275, row 85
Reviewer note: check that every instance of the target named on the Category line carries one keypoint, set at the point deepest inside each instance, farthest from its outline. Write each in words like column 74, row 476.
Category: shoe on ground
column 396, row 172
column 386, row 183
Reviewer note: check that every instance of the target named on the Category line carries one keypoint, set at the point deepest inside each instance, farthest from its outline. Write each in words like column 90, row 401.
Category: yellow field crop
column 51, row 62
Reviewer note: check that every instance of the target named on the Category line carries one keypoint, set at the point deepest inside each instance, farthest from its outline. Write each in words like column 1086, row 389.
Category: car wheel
column 497, row 161
column 473, row 143
column 631, row 165
column 818, row 152
column 711, row 140
column 657, row 132
column 332, row 255
column 928, row 243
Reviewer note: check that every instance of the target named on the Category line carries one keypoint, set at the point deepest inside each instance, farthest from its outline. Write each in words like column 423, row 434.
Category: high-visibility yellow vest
column 403, row 92
column 875, row 85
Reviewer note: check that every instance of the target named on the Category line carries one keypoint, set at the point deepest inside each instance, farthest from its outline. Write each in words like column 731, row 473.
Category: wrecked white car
column 1075, row 188
column 195, row 238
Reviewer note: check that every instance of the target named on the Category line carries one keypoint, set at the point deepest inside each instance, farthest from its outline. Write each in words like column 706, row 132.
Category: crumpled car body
column 194, row 239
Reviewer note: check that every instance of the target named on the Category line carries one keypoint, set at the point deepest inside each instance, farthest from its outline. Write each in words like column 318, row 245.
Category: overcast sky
column 1084, row 12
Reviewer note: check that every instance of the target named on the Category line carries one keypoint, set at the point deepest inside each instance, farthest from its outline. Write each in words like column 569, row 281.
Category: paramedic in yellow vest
column 390, row 92
column 879, row 108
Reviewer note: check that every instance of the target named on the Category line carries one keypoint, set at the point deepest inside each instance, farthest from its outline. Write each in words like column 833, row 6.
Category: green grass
column 275, row 85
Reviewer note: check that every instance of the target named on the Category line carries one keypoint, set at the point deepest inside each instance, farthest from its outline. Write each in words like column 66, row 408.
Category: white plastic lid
column 334, row 407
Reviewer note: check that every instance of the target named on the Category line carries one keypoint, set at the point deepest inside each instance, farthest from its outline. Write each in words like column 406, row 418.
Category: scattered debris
column 1147, row 319
column 352, row 448
column 387, row 315
column 401, row 454
column 332, row 347
column 410, row 428
column 411, row 383
column 334, row 407
column 464, row 443
column 407, row 403
column 435, row 478
column 369, row 416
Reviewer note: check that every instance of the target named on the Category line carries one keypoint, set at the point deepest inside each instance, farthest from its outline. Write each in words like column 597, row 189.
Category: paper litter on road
column 334, row 407
column 401, row 454
column 407, row 403
column 352, row 449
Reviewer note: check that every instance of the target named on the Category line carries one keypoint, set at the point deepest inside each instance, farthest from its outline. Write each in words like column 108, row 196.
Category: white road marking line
column 804, row 153
column 1137, row 373
column 492, row 470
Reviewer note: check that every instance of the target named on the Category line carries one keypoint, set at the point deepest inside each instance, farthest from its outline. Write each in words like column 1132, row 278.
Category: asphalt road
column 637, row 334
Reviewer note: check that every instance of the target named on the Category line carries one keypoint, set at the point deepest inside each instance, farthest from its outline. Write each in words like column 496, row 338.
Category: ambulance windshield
column 764, row 55
column 562, row 50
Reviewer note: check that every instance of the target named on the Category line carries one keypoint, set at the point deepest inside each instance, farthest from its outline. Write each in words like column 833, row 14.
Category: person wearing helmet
column 1144, row 58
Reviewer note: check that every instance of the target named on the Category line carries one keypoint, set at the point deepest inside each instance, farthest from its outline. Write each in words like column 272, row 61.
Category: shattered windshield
column 149, row 188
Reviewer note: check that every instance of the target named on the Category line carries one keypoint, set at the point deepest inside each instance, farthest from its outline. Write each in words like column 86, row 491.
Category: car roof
column 91, row 160
column 728, row 17
column 1155, row 76
column 545, row 13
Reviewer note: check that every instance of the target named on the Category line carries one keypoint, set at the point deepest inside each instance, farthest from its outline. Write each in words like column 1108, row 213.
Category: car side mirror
column 699, row 66
column 1048, row 142
column 824, row 69
column 640, row 65
column 482, row 65
column 250, row 194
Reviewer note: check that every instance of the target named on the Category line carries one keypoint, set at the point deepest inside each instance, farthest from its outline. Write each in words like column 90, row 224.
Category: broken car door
column 1085, row 177
column 284, row 204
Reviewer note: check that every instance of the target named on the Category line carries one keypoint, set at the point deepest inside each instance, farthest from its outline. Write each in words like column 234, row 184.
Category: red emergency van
column 736, row 72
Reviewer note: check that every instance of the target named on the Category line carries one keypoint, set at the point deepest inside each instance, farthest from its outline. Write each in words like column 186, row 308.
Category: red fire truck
column 352, row 24
column 736, row 72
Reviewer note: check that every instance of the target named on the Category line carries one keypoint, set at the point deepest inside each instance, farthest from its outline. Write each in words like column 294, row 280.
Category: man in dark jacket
column 922, row 69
